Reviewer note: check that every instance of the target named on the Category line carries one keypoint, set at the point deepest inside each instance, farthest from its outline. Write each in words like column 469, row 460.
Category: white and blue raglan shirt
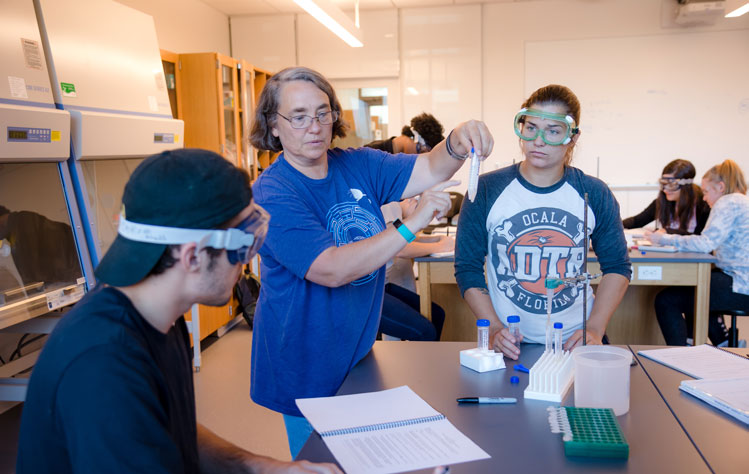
column 523, row 233
column 306, row 337
column 726, row 232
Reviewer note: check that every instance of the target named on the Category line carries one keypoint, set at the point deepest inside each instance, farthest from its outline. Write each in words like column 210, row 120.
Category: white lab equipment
column 43, row 270
column 482, row 359
column 513, row 324
column 473, row 177
column 551, row 377
column 602, row 377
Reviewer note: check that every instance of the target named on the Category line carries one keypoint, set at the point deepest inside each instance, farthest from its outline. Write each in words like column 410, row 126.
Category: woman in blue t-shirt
column 526, row 225
column 323, row 263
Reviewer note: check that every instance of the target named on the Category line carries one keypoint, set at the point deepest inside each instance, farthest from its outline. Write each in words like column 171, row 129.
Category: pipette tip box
column 589, row 432
column 481, row 360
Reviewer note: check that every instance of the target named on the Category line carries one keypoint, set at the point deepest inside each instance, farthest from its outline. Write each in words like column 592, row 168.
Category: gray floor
column 222, row 392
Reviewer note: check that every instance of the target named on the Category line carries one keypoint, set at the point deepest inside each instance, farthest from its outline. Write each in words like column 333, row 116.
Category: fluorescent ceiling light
column 736, row 8
column 333, row 19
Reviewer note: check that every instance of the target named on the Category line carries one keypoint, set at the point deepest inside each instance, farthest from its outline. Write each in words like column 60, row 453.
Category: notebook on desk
column 723, row 376
column 701, row 362
column 388, row 431
column 648, row 246
column 730, row 395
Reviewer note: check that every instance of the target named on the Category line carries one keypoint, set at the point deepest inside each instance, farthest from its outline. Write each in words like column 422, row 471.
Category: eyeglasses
column 304, row 121
column 672, row 184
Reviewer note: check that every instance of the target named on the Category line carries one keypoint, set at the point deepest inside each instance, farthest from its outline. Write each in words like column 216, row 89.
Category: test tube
column 482, row 326
column 513, row 324
column 558, row 338
column 473, row 175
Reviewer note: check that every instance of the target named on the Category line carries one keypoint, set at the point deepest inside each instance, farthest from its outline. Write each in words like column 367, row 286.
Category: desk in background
column 723, row 440
column 518, row 437
column 633, row 322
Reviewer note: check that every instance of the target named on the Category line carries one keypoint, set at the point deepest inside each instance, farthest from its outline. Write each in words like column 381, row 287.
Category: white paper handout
column 389, row 431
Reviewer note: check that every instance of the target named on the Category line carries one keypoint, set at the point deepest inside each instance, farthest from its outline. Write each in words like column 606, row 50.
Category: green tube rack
column 589, row 432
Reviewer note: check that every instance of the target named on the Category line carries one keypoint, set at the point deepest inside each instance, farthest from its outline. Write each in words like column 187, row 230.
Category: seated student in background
column 526, row 224
column 401, row 307
column 112, row 391
column 727, row 234
column 423, row 135
column 679, row 207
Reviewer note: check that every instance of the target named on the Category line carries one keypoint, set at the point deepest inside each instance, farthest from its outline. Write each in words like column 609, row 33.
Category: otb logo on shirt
column 350, row 222
column 534, row 244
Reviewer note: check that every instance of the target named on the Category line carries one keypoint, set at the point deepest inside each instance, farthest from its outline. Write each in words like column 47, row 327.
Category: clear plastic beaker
column 602, row 377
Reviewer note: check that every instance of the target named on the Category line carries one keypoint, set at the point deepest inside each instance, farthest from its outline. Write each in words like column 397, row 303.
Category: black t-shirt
column 384, row 145
column 110, row 393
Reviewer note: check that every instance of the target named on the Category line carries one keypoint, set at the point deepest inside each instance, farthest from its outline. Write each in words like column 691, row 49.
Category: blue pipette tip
column 472, row 152
column 514, row 379
column 552, row 282
column 522, row 368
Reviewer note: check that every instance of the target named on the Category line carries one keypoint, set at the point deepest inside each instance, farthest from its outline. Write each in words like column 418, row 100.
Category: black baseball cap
column 188, row 188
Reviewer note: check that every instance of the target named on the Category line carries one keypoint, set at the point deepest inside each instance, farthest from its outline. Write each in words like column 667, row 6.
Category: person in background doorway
column 323, row 265
column 727, row 234
column 526, row 225
column 424, row 134
column 112, row 390
column 679, row 207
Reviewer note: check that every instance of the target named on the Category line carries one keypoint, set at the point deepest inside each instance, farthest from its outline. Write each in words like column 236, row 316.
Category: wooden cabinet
column 170, row 63
column 251, row 83
column 208, row 99
column 203, row 91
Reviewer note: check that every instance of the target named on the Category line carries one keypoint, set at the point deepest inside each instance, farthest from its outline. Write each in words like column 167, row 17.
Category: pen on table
column 487, row 400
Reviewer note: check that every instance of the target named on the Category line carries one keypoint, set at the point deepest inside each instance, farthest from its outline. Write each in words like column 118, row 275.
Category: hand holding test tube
column 473, row 178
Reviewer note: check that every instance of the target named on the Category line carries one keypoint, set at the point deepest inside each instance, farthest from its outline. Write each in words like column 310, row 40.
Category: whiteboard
column 647, row 100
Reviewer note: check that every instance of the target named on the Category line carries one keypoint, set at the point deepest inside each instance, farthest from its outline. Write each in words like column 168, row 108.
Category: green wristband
column 404, row 231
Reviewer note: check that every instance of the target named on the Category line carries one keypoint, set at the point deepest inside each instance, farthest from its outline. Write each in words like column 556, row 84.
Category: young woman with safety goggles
column 679, row 207
column 526, row 224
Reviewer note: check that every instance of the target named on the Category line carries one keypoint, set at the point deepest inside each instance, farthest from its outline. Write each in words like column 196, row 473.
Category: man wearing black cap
column 112, row 390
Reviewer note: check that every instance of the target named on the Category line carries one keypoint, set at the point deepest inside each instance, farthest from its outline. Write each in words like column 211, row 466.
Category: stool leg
column 733, row 336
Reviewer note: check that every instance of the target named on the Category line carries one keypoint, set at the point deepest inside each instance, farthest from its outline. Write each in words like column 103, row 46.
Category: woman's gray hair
column 261, row 134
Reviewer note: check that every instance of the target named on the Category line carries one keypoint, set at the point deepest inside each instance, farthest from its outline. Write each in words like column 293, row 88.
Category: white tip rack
column 551, row 377
column 482, row 361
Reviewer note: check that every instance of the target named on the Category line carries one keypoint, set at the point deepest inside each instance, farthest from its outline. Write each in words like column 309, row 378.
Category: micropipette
column 473, row 177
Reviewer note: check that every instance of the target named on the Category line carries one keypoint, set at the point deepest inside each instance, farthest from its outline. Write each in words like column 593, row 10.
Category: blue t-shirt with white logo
column 522, row 233
column 306, row 337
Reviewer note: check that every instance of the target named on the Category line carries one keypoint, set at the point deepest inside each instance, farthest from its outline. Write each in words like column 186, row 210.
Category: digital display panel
column 29, row 135
column 18, row 135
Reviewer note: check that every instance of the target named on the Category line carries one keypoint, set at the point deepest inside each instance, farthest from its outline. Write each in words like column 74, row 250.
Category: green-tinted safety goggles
column 554, row 129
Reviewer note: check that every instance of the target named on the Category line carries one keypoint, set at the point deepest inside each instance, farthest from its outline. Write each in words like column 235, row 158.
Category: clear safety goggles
column 554, row 129
column 672, row 184
column 421, row 144
column 241, row 242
